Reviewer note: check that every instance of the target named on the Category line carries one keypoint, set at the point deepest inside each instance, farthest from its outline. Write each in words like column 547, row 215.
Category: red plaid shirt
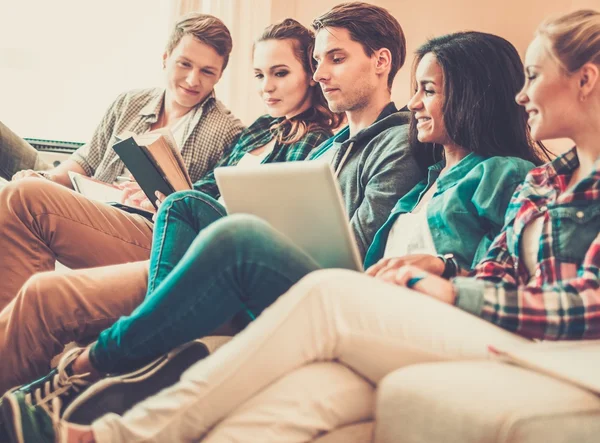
column 561, row 300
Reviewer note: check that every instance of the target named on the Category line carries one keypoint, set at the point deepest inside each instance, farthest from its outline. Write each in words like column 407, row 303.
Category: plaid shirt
column 561, row 300
column 257, row 135
column 209, row 131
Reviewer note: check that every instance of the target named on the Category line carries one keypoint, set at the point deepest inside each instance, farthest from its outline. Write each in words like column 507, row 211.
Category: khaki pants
column 371, row 327
column 16, row 154
column 57, row 307
column 42, row 222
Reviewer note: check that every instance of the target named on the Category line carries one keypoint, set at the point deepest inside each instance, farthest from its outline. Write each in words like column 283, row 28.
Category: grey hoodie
column 377, row 169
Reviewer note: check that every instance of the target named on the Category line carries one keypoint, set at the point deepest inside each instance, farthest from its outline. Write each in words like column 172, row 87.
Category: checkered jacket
column 561, row 300
column 210, row 130
column 256, row 135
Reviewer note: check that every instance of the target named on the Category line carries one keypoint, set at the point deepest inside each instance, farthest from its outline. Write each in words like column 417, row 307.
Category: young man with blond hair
column 42, row 221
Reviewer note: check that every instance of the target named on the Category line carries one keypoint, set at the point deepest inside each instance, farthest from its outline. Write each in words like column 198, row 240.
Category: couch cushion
column 483, row 402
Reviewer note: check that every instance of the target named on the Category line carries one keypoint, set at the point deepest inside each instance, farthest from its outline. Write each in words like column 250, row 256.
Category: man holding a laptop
column 240, row 264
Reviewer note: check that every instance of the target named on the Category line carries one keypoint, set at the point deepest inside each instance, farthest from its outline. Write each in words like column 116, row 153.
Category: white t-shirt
column 410, row 233
column 178, row 129
column 530, row 244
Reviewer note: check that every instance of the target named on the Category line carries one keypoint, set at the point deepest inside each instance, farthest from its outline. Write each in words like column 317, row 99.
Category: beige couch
column 477, row 402
column 473, row 402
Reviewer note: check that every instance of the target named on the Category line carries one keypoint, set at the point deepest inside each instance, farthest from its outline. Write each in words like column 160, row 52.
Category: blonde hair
column 573, row 39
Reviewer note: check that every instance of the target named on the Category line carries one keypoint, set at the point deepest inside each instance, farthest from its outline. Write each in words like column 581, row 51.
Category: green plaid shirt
column 255, row 136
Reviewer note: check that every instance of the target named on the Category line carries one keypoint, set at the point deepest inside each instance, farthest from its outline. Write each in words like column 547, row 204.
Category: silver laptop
column 302, row 200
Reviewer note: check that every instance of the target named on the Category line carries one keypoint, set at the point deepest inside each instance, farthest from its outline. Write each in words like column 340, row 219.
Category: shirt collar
column 344, row 135
column 455, row 173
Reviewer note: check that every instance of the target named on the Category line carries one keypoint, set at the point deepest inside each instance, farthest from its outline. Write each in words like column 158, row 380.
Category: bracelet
column 414, row 280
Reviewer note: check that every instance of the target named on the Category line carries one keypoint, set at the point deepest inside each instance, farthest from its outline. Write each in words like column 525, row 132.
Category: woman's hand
column 426, row 262
column 424, row 282
column 160, row 197
column 134, row 196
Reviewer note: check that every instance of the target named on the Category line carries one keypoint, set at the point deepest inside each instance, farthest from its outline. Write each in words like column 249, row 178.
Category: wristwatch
column 451, row 266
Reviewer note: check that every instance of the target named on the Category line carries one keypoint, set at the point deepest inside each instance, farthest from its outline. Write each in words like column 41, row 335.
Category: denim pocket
column 574, row 228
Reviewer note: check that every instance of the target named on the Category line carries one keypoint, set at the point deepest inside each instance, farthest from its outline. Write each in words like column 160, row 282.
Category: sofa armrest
column 483, row 402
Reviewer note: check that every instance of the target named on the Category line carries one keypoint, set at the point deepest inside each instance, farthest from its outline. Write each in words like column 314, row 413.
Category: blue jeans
column 238, row 265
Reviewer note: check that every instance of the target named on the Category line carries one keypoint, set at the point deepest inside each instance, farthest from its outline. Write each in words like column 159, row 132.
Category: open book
column 576, row 362
column 104, row 192
column 95, row 189
column 154, row 161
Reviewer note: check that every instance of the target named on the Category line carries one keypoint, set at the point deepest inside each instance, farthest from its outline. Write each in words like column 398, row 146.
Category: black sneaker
column 58, row 388
column 26, row 423
column 119, row 393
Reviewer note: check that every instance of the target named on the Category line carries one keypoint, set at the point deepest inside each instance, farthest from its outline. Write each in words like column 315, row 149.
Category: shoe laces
column 48, row 396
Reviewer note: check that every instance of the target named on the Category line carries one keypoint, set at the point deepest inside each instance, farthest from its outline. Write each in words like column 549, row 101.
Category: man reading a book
column 42, row 220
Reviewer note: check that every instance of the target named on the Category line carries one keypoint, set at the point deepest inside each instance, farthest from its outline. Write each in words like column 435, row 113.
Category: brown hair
column 574, row 38
column 206, row 29
column 318, row 115
column 371, row 26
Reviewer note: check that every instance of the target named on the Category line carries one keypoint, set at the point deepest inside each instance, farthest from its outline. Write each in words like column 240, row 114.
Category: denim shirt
column 467, row 210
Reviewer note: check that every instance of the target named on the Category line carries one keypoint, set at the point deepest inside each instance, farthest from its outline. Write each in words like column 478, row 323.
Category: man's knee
column 38, row 293
column 22, row 194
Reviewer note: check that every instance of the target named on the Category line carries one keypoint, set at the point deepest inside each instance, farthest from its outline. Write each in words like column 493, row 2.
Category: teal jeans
column 205, row 269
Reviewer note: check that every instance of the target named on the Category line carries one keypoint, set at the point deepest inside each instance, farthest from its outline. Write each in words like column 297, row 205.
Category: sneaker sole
column 12, row 419
column 119, row 393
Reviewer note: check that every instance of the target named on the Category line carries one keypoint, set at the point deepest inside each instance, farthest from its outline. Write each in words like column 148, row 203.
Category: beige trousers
column 57, row 307
column 299, row 407
column 369, row 326
column 41, row 222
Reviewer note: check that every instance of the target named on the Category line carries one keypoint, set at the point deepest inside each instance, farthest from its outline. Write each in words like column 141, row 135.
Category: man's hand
column 30, row 173
column 389, row 266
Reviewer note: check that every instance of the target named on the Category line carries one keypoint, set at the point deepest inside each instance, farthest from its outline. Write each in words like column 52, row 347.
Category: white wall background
column 62, row 62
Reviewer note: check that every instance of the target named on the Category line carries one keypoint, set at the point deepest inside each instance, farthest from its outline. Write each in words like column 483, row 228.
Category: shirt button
column 538, row 272
column 579, row 214
column 543, row 208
